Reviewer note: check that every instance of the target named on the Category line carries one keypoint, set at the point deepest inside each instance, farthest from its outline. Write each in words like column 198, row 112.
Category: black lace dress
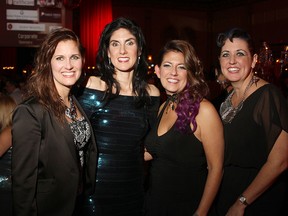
column 248, row 141
column 119, row 128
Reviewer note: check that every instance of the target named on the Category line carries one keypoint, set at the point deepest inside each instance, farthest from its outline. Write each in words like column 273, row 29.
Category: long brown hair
column 40, row 84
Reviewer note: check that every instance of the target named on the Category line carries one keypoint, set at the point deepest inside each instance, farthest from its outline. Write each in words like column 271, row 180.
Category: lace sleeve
column 272, row 114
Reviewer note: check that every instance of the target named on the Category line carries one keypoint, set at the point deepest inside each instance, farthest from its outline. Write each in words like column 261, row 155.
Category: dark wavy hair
column 106, row 70
column 196, row 88
column 235, row 33
column 40, row 83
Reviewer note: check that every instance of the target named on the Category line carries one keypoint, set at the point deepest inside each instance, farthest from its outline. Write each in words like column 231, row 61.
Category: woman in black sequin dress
column 121, row 107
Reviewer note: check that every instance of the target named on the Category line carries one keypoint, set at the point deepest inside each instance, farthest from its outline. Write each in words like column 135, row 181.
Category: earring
column 109, row 61
column 138, row 59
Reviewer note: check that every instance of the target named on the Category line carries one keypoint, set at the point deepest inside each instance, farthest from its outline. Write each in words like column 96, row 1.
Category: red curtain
column 94, row 15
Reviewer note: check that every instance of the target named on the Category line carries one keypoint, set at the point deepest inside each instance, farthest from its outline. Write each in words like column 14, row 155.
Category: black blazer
column 45, row 164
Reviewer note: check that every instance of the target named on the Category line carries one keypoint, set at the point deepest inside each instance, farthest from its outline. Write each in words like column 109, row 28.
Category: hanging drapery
column 94, row 15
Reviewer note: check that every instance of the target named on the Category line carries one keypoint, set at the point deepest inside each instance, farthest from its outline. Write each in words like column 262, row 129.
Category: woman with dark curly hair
column 186, row 144
column 119, row 103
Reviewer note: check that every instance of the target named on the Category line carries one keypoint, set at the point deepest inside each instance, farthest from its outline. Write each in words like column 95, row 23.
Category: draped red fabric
column 94, row 15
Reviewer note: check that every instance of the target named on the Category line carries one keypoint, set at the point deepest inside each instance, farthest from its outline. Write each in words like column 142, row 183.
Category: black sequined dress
column 5, row 184
column 119, row 128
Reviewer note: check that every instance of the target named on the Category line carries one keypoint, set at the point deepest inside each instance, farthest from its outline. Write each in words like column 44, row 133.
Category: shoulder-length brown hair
column 196, row 88
column 40, row 84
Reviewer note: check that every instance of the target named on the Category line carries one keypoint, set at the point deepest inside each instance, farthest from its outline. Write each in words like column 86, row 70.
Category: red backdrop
column 94, row 15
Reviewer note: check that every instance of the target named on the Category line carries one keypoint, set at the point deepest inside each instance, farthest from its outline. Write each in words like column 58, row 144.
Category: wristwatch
column 243, row 200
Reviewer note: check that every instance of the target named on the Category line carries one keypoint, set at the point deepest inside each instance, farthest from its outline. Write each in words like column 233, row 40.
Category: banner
column 26, row 22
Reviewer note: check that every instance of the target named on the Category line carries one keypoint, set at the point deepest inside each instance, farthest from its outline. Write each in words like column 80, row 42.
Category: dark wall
column 265, row 20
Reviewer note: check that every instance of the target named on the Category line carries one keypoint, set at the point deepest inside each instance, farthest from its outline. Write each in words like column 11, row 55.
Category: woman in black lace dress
column 255, row 117
column 121, row 107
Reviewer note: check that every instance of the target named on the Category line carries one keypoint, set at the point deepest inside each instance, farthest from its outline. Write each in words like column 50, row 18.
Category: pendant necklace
column 71, row 112
column 171, row 99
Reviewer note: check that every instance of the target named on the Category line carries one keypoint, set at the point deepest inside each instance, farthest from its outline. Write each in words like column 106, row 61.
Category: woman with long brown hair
column 54, row 151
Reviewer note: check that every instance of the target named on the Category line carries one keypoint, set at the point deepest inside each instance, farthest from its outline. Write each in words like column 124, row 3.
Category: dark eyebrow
column 134, row 39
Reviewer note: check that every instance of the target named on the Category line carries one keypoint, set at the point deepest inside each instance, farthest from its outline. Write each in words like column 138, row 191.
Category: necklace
column 171, row 99
column 71, row 112
column 227, row 111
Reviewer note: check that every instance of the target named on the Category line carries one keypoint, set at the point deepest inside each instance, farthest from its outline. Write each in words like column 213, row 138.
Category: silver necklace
column 227, row 111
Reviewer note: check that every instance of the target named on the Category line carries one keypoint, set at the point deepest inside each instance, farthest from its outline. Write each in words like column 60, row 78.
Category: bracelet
column 243, row 200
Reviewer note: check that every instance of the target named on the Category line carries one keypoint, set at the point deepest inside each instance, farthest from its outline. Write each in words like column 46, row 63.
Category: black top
column 178, row 172
column 5, row 171
column 5, row 183
column 248, row 141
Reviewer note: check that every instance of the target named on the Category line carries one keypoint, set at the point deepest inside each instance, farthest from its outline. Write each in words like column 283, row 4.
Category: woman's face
column 123, row 50
column 66, row 64
column 172, row 72
column 236, row 60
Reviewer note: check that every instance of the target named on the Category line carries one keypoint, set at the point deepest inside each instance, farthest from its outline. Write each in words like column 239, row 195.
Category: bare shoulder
column 207, row 108
column 258, row 84
column 208, row 122
column 153, row 90
column 207, row 113
column 261, row 83
column 5, row 140
column 95, row 82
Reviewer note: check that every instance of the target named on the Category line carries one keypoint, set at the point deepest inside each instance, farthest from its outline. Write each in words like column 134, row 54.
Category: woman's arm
column 26, row 133
column 95, row 82
column 277, row 162
column 147, row 155
column 5, row 140
column 210, row 133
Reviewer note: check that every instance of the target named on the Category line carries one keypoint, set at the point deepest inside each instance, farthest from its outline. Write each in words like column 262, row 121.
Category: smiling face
column 172, row 72
column 66, row 65
column 236, row 60
column 123, row 50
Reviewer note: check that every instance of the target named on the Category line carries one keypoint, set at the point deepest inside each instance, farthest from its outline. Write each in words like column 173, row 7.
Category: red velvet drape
column 94, row 15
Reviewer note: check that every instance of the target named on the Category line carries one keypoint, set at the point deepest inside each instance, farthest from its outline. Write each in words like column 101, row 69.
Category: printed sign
column 24, row 23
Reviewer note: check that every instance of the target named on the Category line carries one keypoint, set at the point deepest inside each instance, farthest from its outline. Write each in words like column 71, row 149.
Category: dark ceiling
column 186, row 4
